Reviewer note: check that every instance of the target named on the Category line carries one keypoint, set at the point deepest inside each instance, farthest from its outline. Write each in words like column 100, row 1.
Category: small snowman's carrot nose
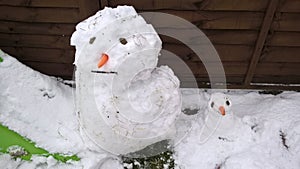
column 103, row 60
column 222, row 110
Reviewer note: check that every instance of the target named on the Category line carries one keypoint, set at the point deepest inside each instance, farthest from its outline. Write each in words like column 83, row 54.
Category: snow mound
column 265, row 136
column 136, row 106
column 28, row 102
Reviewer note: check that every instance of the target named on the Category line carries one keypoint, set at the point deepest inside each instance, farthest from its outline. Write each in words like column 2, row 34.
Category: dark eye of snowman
column 212, row 104
column 227, row 103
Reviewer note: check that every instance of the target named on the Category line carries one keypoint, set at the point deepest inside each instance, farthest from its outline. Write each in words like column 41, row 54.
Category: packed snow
column 41, row 108
column 266, row 133
column 134, row 107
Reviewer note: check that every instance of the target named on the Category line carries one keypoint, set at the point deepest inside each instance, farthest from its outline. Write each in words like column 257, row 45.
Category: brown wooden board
column 41, row 3
column 284, row 39
column 43, row 41
column 261, row 39
column 217, row 5
column 205, row 79
column 227, row 53
column 288, row 79
column 236, row 68
column 238, row 5
column 286, row 22
column 277, row 69
column 281, row 54
column 218, row 37
column 290, row 6
column 217, row 19
column 26, row 14
column 41, row 54
column 262, row 82
column 221, row 37
column 156, row 4
column 56, row 69
column 197, row 68
column 263, row 87
column 36, row 28
column 103, row 3
column 87, row 8
column 258, row 86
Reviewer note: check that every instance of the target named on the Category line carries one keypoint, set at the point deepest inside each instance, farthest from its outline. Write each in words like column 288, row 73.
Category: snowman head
column 219, row 103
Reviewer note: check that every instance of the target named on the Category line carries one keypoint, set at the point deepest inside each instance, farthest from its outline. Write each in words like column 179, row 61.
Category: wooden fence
column 258, row 41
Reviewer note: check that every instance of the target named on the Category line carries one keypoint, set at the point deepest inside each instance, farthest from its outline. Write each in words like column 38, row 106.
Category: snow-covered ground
column 42, row 109
column 267, row 134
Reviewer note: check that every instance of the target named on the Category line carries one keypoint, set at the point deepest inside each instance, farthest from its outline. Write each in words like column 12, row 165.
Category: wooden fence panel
column 52, row 15
column 41, row 3
column 41, row 54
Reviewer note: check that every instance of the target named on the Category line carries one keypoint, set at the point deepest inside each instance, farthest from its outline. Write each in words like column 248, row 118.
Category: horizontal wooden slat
column 41, row 54
column 235, row 68
column 227, row 53
column 41, row 3
column 36, row 28
column 231, row 68
column 238, row 5
column 285, row 39
column 216, row 20
column 43, row 41
column 156, row 4
column 88, row 8
column 234, row 53
column 287, row 79
column 192, row 79
column 286, row 22
column 222, row 37
column 281, row 54
column 290, row 6
column 235, row 83
column 264, row 87
column 231, row 20
column 221, row 5
column 198, row 69
column 53, row 15
column 61, row 70
column 278, row 69
column 203, row 83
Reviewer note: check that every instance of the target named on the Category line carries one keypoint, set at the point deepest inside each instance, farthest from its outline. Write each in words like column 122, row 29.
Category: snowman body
column 216, row 123
column 124, row 111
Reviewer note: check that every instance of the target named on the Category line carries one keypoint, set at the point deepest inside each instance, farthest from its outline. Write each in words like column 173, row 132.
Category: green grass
column 10, row 138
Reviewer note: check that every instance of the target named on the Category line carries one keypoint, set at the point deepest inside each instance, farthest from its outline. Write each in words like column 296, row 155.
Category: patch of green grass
column 161, row 161
column 1, row 60
column 10, row 138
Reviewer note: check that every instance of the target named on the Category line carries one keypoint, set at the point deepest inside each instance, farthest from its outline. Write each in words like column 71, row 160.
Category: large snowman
column 124, row 101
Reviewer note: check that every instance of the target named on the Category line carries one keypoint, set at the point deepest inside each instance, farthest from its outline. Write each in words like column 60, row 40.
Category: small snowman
column 219, row 119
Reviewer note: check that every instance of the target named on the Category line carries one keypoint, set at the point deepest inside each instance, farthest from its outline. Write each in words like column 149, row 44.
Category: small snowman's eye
column 123, row 41
column 227, row 103
column 212, row 104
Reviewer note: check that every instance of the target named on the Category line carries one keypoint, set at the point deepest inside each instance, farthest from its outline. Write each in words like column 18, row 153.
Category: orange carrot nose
column 103, row 60
column 222, row 110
